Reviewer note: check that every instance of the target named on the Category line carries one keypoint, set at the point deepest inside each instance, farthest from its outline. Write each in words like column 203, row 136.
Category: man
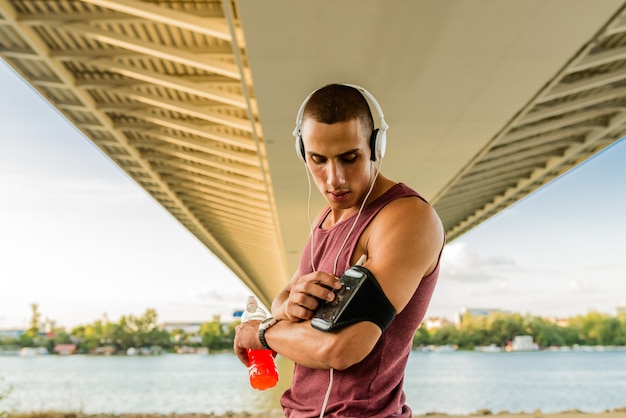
column 356, row 370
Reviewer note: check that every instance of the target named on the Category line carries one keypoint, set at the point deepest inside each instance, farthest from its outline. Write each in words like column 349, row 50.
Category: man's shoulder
column 397, row 193
column 411, row 209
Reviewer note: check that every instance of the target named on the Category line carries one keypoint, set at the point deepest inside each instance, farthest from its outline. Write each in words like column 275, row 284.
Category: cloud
column 460, row 263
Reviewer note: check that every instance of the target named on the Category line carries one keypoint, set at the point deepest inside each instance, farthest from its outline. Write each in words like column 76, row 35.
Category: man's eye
column 317, row 159
column 349, row 158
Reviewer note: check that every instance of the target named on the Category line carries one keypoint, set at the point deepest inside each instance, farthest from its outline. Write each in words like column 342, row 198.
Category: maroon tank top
column 373, row 387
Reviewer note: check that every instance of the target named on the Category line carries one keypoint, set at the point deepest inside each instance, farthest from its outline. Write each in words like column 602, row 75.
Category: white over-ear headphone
column 378, row 140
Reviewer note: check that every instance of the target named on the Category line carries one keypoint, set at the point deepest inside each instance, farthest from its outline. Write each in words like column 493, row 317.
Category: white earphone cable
column 308, row 207
column 311, row 236
column 330, row 386
column 369, row 192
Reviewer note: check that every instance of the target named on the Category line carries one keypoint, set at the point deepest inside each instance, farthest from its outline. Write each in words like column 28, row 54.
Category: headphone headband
column 378, row 141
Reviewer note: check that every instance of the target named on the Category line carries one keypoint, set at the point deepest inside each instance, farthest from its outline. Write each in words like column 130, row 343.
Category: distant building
column 187, row 327
column 48, row 326
column 559, row 322
column 11, row 334
column 435, row 323
column 65, row 349
column 522, row 343
column 477, row 312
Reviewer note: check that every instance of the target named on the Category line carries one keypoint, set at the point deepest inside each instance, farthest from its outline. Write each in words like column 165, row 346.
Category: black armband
column 360, row 299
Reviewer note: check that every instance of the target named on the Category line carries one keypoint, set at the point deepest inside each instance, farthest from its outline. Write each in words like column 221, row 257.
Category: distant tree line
column 500, row 328
column 130, row 331
column 496, row 328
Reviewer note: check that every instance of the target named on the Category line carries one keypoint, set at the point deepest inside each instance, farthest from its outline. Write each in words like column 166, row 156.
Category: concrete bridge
column 487, row 100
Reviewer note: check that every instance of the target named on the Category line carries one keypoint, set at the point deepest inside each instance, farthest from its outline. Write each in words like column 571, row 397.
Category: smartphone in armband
column 361, row 298
column 326, row 318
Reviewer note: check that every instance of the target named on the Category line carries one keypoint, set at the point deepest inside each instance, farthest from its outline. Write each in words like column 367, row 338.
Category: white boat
column 33, row 351
column 524, row 343
column 491, row 348
column 448, row 348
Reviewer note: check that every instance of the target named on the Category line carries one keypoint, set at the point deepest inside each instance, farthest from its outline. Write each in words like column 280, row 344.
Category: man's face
column 338, row 157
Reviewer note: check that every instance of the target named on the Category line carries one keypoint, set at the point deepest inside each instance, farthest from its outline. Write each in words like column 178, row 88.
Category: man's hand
column 246, row 337
column 305, row 295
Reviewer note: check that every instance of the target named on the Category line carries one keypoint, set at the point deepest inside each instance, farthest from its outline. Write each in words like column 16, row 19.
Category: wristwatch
column 264, row 326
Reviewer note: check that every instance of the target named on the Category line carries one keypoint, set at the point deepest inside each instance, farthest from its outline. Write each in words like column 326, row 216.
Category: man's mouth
column 338, row 194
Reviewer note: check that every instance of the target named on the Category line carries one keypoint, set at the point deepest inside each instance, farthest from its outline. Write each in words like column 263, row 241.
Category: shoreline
column 619, row 412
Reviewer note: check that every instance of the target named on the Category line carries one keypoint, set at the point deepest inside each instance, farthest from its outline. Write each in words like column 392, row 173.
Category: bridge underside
column 195, row 100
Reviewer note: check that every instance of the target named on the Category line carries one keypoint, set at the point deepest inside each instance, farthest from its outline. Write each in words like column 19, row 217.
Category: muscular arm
column 402, row 244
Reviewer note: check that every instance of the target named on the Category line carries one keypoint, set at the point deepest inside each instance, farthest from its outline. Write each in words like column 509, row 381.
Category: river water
column 454, row 383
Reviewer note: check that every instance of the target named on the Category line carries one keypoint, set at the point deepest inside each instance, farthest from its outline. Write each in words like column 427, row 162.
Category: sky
column 82, row 241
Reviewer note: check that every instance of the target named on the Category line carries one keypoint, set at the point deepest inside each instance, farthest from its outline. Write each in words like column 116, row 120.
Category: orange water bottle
column 261, row 366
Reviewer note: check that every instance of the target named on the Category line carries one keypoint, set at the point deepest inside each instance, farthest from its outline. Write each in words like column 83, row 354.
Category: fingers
column 296, row 312
column 246, row 337
column 240, row 352
column 327, row 281
column 308, row 293
column 242, row 355
column 318, row 285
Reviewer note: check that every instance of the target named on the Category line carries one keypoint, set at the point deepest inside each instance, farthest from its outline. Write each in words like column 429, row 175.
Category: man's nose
column 335, row 175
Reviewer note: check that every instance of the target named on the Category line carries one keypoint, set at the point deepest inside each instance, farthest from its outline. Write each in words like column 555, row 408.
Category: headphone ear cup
column 381, row 143
column 378, row 144
column 373, row 141
column 300, row 148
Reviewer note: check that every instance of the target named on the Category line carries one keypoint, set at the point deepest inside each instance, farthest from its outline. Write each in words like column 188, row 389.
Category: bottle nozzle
column 252, row 304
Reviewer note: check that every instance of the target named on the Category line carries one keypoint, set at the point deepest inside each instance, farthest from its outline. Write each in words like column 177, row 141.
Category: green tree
column 502, row 328
column 592, row 329
column 140, row 331
column 473, row 332
column 447, row 334
column 59, row 336
column 499, row 328
column 30, row 338
column 229, row 333
column 546, row 333
column 215, row 337
column 25, row 340
column 90, row 336
column 421, row 337
column 620, row 338
column 179, row 336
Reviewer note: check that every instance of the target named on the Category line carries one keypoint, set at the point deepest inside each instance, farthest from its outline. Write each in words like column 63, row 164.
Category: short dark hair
column 335, row 103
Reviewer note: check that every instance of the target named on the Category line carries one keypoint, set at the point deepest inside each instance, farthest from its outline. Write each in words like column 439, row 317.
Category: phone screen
column 328, row 314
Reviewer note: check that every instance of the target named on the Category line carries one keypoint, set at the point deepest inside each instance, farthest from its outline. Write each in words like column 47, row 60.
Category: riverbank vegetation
column 498, row 328
column 144, row 331
column 130, row 332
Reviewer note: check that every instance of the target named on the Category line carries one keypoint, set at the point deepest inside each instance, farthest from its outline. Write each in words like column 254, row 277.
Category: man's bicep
column 403, row 249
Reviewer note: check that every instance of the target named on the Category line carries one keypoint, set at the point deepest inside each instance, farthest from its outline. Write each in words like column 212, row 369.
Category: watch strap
column 264, row 326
